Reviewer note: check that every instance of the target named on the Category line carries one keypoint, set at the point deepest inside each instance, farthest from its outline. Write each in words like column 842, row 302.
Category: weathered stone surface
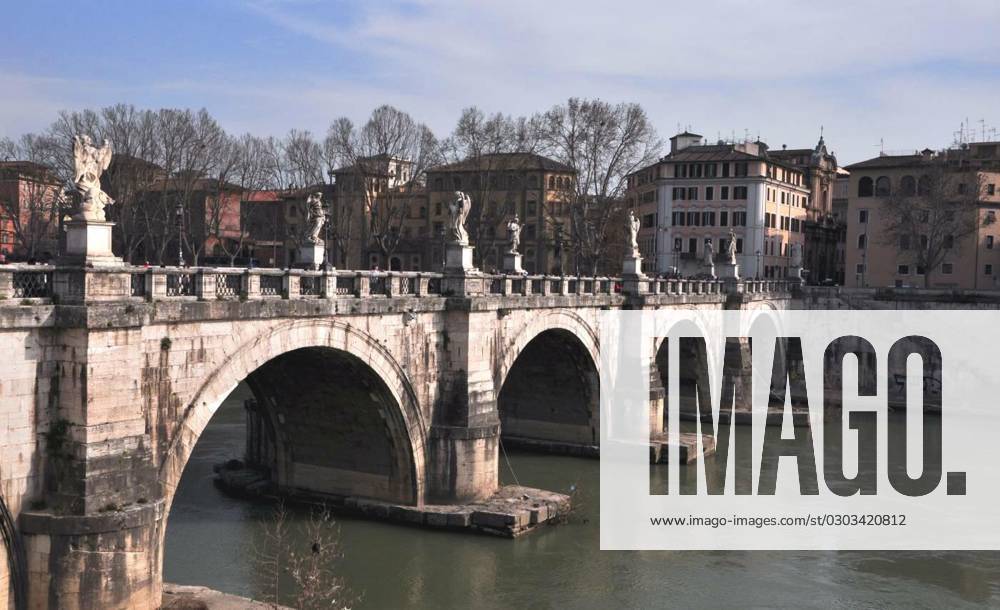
column 392, row 400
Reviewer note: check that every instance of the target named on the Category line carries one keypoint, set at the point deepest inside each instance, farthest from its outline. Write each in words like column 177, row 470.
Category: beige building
column 538, row 189
column 380, row 217
column 876, row 258
column 702, row 191
column 825, row 230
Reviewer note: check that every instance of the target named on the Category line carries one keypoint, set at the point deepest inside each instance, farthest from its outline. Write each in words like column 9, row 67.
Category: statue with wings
column 458, row 211
column 89, row 162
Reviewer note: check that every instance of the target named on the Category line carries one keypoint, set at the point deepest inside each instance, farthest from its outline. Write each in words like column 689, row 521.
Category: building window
column 946, row 268
column 862, row 241
column 863, row 216
column 532, row 208
column 949, row 242
column 693, row 244
column 739, row 192
column 739, row 245
column 989, row 242
column 908, row 185
column 678, row 244
column 991, row 189
column 530, row 231
column 988, row 270
column 866, row 187
column 859, row 268
column 649, row 221
column 723, row 218
column 692, row 193
column 724, row 192
column 709, row 191
column 903, row 270
column 904, row 242
column 882, row 188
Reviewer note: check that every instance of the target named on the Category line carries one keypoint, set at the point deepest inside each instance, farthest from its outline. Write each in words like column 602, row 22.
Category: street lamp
column 179, row 212
column 326, row 226
column 444, row 255
column 559, row 247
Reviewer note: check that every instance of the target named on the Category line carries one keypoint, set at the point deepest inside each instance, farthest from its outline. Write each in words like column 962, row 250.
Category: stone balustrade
column 31, row 284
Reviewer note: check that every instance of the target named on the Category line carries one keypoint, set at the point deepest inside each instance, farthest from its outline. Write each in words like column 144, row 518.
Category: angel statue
column 731, row 247
column 514, row 232
column 632, row 224
column 709, row 251
column 796, row 254
column 458, row 210
column 317, row 217
column 89, row 162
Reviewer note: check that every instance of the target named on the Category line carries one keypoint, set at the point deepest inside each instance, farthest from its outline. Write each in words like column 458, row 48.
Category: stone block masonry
column 375, row 386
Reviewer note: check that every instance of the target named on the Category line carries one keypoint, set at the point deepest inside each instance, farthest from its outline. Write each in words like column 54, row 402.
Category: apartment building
column 878, row 256
column 704, row 191
column 825, row 230
column 538, row 189
column 29, row 210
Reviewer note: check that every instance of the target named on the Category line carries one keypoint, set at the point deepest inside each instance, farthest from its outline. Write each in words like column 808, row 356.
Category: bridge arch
column 547, row 381
column 331, row 342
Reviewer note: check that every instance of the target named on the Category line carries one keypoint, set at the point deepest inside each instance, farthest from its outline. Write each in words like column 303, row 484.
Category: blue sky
column 906, row 73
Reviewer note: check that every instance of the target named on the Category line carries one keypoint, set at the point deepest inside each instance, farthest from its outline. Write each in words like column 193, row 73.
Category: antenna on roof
column 881, row 147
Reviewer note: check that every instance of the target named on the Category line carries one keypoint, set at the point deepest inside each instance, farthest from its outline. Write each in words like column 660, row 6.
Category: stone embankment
column 512, row 511
column 182, row 597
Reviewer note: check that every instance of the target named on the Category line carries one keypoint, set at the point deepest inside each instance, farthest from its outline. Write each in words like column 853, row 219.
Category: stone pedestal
column 709, row 270
column 88, row 243
column 458, row 257
column 512, row 263
column 796, row 274
column 311, row 255
column 632, row 265
column 633, row 279
column 729, row 271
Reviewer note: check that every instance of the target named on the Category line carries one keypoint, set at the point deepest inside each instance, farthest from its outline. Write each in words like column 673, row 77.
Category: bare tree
column 32, row 210
column 300, row 564
column 388, row 155
column 132, row 171
column 313, row 566
column 302, row 161
column 487, row 148
column 247, row 169
column 603, row 143
column 927, row 218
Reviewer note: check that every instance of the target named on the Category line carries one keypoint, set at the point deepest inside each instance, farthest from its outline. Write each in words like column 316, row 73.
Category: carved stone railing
column 30, row 284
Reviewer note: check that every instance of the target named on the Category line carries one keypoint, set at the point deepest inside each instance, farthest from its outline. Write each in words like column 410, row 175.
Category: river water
column 210, row 538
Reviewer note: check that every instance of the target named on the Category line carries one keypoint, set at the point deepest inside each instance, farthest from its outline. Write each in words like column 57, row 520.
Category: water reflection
column 394, row 566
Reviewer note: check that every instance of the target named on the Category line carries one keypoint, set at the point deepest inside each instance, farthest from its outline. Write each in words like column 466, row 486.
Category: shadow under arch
column 310, row 355
column 549, row 385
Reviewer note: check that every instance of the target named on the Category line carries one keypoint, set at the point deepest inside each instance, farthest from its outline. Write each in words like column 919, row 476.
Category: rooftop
column 505, row 162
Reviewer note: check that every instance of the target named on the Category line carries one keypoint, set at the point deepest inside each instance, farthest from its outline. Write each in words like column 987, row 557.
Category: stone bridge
column 392, row 386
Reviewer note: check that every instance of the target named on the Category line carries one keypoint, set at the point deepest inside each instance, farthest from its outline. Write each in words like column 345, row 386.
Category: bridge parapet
column 48, row 284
